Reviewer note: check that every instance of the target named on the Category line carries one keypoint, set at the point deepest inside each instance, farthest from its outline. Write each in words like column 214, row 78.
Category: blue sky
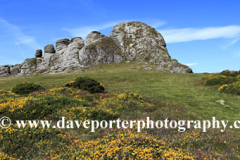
column 202, row 34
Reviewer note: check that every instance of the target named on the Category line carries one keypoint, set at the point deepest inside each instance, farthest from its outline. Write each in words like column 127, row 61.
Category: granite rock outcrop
column 129, row 41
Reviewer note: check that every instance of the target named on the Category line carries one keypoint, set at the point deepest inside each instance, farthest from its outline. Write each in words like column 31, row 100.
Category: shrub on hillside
column 86, row 83
column 230, row 88
column 212, row 80
column 26, row 88
column 230, row 73
column 26, row 108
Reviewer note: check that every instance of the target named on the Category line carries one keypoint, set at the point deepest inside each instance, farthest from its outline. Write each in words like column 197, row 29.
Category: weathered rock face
column 62, row 43
column 67, row 59
column 64, row 60
column 94, row 35
column 132, row 41
column 49, row 48
column 139, row 41
column 99, row 48
column 172, row 65
column 15, row 69
column 38, row 53
column 76, row 43
column 7, row 70
column 142, row 43
column 4, row 70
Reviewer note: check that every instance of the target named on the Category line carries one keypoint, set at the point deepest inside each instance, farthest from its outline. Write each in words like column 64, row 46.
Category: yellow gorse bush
column 102, row 85
column 117, row 144
column 222, row 87
column 129, row 145
column 17, row 103
column 130, row 95
column 70, row 82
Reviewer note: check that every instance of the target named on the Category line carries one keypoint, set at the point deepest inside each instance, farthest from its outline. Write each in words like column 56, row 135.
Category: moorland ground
column 171, row 91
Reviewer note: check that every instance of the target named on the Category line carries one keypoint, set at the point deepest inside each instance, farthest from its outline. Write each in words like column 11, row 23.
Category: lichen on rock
column 140, row 42
column 100, row 49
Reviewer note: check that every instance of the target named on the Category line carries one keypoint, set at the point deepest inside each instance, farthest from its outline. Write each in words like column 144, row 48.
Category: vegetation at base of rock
column 26, row 88
column 86, row 83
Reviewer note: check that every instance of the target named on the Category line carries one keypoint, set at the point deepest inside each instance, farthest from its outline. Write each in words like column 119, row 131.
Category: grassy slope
column 173, row 88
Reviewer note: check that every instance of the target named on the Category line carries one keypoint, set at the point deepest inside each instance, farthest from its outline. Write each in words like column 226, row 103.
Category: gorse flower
column 116, row 143
column 229, row 81
column 222, row 87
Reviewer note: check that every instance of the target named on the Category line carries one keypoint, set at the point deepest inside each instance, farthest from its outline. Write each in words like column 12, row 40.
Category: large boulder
column 139, row 41
column 38, row 53
column 62, row 43
column 5, row 70
column 15, row 69
column 66, row 58
column 76, row 42
column 94, row 35
column 28, row 66
column 142, row 43
column 49, row 49
column 100, row 48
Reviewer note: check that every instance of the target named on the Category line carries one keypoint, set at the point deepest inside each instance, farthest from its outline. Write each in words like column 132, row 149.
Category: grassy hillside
column 173, row 95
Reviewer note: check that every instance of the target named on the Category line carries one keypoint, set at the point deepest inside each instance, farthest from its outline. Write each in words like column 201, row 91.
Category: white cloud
column 231, row 43
column 18, row 36
column 191, row 64
column 191, row 34
column 84, row 31
column 155, row 23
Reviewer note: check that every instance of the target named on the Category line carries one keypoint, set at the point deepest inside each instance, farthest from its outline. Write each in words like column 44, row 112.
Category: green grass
column 174, row 88
column 170, row 92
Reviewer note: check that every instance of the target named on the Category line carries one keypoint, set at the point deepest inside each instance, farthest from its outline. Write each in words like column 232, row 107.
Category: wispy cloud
column 155, row 23
column 191, row 34
column 18, row 36
column 191, row 64
column 231, row 43
column 84, row 31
